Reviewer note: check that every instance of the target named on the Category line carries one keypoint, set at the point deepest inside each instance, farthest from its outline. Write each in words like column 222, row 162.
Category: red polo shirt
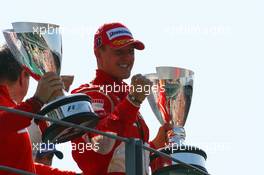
column 15, row 145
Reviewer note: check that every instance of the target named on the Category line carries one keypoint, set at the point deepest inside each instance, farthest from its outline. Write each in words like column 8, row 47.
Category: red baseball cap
column 115, row 35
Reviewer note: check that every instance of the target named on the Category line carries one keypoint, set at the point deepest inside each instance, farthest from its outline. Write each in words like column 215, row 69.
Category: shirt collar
column 4, row 90
column 104, row 78
column 5, row 93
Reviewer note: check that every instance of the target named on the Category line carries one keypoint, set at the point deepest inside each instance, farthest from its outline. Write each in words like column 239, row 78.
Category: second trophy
column 170, row 100
column 38, row 48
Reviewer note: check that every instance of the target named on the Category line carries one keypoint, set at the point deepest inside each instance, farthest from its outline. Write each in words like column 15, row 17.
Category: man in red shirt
column 117, row 106
column 15, row 145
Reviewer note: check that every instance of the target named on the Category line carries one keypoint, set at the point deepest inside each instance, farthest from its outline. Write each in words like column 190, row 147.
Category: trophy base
column 185, row 153
column 74, row 108
column 176, row 170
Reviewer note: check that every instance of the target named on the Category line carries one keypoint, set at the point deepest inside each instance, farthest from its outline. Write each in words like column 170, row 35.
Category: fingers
column 167, row 131
column 48, row 85
column 140, row 79
column 56, row 87
column 133, row 79
column 50, row 76
column 55, row 82
column 140, row 88
column 170, row 133
column 167, row 126
column 162, row 136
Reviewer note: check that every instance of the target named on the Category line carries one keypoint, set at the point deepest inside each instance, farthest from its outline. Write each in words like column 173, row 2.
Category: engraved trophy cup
column 38, row 48
column 170, row 100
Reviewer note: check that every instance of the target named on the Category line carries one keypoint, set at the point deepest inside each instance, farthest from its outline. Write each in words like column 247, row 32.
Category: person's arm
column 12, row 122
column 112, row 119
column 47, row 170
column 43, row 125
column 161, row 138
column 124, row 112
column 47, row 86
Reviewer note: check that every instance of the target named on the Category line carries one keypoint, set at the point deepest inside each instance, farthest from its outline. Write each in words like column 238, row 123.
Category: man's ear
column 22, row 77
column 98, row 56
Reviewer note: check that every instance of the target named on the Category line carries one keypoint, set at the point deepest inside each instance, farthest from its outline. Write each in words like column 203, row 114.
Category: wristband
column 38, row 100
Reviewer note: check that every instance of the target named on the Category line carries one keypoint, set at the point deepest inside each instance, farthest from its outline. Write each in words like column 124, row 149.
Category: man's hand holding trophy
column 139, row 89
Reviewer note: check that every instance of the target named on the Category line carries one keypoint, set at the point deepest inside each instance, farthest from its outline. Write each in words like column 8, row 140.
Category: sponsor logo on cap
column 119, row 31
column 120, row 42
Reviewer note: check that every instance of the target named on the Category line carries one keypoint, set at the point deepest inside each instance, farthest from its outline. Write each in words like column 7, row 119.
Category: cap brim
column 137, row 44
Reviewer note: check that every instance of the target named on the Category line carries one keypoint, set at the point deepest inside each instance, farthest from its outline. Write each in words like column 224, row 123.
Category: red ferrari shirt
column 15, row 145
column 118, row 116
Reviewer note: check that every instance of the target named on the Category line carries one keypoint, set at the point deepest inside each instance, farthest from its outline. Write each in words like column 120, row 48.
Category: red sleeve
column 11, row 122
column 113, row 118
column 151, row 144
column 47, row 170
column 43, row 125
column 125, row 112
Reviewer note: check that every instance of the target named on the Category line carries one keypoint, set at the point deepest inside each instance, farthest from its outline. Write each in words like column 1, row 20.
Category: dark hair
column 10, row 69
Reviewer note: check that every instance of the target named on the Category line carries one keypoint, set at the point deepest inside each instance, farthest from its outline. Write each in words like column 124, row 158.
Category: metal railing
column 133, row 147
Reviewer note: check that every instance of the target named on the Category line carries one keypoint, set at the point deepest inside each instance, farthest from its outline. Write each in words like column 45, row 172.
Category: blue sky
column 221, row 41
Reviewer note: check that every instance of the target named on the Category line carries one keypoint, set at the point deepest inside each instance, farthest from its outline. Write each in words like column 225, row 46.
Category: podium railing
column 133, row 147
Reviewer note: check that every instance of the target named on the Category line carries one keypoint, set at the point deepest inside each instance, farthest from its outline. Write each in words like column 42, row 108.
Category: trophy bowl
column 170, row 101
column 38, row 48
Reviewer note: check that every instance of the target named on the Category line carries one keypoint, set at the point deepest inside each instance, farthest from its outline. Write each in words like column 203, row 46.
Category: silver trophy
column 38, row 48
column 170, row 100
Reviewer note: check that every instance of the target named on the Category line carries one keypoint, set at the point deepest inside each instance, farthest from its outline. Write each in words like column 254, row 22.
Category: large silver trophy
column 170, row 100
column 38, row 48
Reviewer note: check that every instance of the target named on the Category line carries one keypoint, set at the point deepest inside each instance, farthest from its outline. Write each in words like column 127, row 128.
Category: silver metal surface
column 170, row 98
column 37, row 46
column 189, row 158
column 70, row 109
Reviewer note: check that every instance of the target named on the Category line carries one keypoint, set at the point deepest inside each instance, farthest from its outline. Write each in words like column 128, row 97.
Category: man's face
column 116, row 62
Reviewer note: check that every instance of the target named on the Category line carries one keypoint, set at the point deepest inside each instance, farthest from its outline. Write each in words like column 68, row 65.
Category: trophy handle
column 67, row 80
